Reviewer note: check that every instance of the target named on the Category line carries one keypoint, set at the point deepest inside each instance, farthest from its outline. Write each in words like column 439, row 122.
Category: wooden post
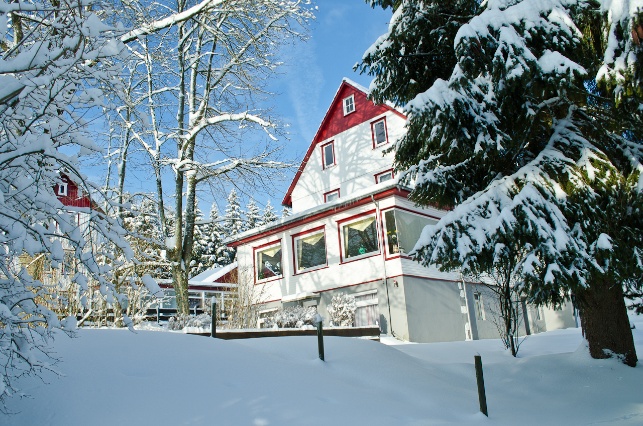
column 320, row 335
column 482, row 397
column 213, row 330
column 158, row 314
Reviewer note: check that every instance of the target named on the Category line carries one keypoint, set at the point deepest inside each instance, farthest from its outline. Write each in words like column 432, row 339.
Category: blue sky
column 313, row 70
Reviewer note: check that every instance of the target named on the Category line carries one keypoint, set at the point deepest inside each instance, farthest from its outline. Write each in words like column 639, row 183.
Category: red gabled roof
column 75, row 197
column 336, row 122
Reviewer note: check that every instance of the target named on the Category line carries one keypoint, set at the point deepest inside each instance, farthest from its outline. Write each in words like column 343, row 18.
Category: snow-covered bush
column 292, row 317
column 342, row 310
column 179, row 322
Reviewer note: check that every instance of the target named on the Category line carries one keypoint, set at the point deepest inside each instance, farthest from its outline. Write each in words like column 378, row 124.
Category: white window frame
column 258, row 268
column 295, row 249
column 63, row 189
column 324, row 157
column 377, row 144
column 349, row 104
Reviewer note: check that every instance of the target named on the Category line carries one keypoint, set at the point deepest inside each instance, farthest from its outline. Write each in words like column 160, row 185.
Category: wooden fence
column 370, row 332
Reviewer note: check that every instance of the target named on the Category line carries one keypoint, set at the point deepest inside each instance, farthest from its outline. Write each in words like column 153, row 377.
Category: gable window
column 479, row 306
column 403, row 229
column 310, row 250
column 62, row 188
column 384, row 176
column 360, row 237
column 380, row 135
column 331, row 196
column 328, row 155
column 349, row 104
column 268, row 262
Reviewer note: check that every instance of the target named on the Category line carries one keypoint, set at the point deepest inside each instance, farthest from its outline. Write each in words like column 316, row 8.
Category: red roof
column 335, row 122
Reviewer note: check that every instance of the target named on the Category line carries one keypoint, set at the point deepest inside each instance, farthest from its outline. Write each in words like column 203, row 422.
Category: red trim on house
column 294, row 250
column 389, row 278
column 373, row 123
column 330, row 212
column 335, row 122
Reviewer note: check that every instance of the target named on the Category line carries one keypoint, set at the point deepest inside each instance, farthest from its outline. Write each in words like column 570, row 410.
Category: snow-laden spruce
column 534, row 138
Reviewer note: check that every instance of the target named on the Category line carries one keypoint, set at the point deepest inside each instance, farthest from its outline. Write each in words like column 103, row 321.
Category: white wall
column 356, row 164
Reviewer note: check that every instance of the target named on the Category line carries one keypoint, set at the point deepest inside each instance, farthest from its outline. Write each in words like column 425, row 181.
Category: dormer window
column 349, row 104
column 328, row 155
column 61, row 189
column 380, row 135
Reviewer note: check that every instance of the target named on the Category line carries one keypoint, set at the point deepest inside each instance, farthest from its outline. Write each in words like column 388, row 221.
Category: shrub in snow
column 179, row 322
column 292, row 317
column 342, row 310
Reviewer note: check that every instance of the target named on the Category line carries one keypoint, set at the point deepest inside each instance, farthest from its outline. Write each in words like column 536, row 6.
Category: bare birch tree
column 201, row 69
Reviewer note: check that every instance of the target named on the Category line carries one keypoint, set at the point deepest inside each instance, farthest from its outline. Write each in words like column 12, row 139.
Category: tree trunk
column 604, row 321
column 180, row 281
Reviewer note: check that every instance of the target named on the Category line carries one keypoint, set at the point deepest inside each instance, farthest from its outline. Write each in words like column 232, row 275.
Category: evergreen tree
column 535, row 138
column 207, row 243
column 233, row 225
column 253, row 219
column 286, row 212
column 269, row 214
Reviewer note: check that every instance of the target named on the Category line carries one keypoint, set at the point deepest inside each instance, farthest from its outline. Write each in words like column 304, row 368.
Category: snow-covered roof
column 210, row 276
column 332, row 205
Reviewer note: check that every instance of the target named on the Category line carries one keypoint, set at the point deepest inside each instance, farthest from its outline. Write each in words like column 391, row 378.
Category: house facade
column 351, row 229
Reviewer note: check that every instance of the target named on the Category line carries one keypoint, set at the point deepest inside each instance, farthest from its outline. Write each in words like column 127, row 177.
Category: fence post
column 213, row 330
column 482, row 397
column 320, row 335
column 158, row 314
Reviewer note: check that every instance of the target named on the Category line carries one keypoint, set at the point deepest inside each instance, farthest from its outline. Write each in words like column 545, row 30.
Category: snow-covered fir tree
column 535, row 137
column 286, row 212
column 253, row 218
column 269, row 214
column 207, row 242
column 233, row 224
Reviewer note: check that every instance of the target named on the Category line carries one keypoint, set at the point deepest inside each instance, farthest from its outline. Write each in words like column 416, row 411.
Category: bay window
column 268, row 262
column 360, row 237
column 310, row 251
column 403, row 229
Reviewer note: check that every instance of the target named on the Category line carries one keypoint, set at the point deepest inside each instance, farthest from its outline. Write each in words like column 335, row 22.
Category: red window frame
column 323, row 155
column 298, row 235
column 334, row 191
column 373, row 124
column 378, row 175
column 254, row 261
column 347, row 221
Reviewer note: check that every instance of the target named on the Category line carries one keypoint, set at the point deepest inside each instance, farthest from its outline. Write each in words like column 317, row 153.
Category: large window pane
column 269, row 262
column 311, row 251
column 360, row 237
column 403, row 229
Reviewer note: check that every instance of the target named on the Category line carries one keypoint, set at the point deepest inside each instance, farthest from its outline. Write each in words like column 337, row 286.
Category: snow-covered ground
column 115, row 377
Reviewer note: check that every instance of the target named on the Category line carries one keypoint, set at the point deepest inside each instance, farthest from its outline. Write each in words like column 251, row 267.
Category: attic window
column 331, row 196
column 328, row 155
column 384, row 176
column 380, row 135
column 349, row 104
column 62, row 189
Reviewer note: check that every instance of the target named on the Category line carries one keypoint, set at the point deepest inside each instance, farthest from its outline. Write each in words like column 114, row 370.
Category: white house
column 351, row 226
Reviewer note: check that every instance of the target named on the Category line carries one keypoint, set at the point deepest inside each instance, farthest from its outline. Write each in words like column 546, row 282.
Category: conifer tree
column 269, row 214
column 253, row 219
column 233, row 225
column 535, row 138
